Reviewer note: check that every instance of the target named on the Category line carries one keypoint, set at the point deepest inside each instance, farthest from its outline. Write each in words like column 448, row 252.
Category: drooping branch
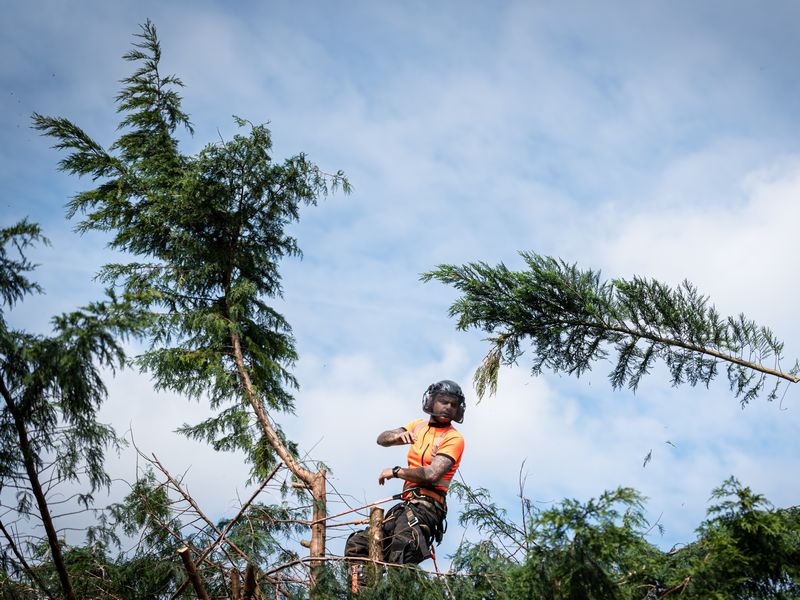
column 708, row 351
column 572, row 319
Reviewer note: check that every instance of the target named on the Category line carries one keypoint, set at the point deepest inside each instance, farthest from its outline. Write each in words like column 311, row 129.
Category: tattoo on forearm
column 390, row 437
column 430, row 473
column 438, row 467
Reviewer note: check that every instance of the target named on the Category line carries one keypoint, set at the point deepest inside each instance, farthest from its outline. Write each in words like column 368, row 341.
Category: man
column 433, row 458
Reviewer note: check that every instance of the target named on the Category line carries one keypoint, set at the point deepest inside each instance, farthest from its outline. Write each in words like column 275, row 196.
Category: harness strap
column 422, row 541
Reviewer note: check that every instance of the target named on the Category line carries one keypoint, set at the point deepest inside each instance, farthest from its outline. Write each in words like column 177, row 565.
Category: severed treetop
column 572, row 318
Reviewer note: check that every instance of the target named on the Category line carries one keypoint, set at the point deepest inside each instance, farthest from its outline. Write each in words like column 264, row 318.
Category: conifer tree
column 599, row 549
column 51, row 389
column 572, row 318
column 210, row 233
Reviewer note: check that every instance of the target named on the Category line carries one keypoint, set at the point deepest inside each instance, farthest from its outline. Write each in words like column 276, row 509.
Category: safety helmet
column 448, row 388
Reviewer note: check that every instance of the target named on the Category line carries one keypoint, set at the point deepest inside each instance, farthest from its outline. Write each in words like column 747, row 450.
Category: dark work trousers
column 401, row 543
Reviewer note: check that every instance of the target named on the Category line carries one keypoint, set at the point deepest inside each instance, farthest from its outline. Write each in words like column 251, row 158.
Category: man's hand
column 397, row 437
column 385, row 474
column 406, row 437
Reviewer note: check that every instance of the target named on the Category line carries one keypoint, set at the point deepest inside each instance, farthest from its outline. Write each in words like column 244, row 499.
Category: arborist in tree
column 433, row 458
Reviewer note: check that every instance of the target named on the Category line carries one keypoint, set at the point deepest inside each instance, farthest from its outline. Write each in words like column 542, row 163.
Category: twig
column 196, row 508
column 347, row 512
column 346, row 523
column 222, row 535
column 24, row 563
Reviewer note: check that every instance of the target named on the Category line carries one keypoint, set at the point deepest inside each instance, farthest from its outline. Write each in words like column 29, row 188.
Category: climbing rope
column 352, row 510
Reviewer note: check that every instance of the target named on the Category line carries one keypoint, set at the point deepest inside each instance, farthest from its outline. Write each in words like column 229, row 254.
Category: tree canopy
column 211, row 230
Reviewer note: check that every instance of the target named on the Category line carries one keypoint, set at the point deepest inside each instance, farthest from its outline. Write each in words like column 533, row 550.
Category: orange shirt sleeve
column 452, row 446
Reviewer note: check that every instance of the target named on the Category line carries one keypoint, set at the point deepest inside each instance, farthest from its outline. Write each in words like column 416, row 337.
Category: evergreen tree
column 51, row 389
column 210, row 232
column 598, row 549
column 747, row 549
column 572, row 318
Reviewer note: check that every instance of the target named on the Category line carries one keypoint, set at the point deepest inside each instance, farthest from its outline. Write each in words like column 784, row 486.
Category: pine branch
column 573, row 319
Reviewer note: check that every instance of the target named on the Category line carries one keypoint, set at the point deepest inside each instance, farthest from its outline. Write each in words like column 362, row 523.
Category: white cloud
column 738, row 252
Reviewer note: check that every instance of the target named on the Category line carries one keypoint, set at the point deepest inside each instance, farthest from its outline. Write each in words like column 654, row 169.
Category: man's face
column 445, row 407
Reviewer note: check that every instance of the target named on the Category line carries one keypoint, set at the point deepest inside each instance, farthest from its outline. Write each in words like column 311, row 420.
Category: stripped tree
column 572, row 318
column 210, row 231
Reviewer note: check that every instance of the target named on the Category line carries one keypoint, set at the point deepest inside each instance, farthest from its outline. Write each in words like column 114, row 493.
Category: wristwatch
column 395, row 471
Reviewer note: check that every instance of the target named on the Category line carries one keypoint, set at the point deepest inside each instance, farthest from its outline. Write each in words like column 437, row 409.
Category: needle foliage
column 207, row 233
column 51, row 388
column 568, row 318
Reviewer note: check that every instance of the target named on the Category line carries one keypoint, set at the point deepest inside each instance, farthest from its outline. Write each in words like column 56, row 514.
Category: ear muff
column 427, row 399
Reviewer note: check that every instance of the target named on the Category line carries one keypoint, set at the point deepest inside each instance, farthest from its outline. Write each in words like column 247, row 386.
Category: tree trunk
column 375, row 543
column 41, row 501
column 318, row 514
column 314, row 481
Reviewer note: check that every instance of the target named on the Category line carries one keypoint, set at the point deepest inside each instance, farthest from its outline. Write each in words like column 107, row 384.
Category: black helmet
column 448, row 388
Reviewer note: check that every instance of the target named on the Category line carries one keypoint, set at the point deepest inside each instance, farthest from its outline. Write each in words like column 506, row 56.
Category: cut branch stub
column 191, row 572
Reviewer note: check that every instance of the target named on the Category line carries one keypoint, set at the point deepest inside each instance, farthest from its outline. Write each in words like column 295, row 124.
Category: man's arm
column 396, row 437
column 427, row 475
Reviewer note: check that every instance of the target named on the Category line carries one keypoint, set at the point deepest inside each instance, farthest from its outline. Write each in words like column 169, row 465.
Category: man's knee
column 405, row 545
column 357, row 544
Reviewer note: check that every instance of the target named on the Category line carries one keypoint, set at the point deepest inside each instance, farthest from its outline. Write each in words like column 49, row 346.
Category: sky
column 655, row 139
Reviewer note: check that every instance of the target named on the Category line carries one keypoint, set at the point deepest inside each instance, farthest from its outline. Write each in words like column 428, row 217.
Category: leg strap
column 422, row 541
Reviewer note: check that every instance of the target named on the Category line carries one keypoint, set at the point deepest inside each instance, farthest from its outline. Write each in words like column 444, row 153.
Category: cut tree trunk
column 191, row 572
column 375, row 543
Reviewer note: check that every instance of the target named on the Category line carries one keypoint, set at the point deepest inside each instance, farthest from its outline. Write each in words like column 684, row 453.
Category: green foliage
column 54, row 382
column 599, row 549
column 14, row 285
column 51, row 388
column 572, row 550
column 211, row 230
column 746, row 549
column 572, row 318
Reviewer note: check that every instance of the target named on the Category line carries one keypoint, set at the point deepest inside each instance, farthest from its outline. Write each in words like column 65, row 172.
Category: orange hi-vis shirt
column 430, row 442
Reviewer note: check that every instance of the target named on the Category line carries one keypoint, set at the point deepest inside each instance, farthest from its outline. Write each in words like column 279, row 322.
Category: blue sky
column 653, row 138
